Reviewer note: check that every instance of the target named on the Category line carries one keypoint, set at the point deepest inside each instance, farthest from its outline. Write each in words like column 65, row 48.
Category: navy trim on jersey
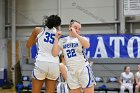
column 84, row 54
column 60, row 88
column 34, row 75
column 64, row 88
column 89, row 77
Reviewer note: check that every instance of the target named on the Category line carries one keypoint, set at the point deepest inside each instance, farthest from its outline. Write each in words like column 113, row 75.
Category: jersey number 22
column 71, row 53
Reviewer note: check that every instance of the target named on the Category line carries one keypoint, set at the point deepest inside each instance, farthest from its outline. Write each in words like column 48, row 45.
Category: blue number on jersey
column 49, row 37
column 71, row 53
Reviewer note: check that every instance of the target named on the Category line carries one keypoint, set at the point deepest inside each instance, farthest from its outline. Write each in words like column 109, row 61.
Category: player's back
column 45, row 41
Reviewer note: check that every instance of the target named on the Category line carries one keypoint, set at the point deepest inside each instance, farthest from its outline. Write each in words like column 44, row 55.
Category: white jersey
column 127, row 78
column 45, row 41
column 74, row 53
column 138, row 76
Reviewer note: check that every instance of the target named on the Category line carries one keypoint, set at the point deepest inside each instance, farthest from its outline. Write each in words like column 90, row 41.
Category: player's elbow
column 87, row 45
column 54, row 53
column 28, row 45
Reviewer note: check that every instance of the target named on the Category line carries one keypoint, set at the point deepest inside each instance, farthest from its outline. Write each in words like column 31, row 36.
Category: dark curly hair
column 53, row 21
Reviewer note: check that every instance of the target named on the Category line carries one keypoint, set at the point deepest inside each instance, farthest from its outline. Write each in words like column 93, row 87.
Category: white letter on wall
column 130, row 47
column 100, row 49
column 117, row 45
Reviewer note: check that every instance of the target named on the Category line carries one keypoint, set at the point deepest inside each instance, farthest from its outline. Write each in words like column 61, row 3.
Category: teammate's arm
column 85, row 43
column 32, row 39
column 56, row 48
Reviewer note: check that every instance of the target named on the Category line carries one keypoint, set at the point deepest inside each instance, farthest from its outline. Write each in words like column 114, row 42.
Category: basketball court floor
column 12, row 90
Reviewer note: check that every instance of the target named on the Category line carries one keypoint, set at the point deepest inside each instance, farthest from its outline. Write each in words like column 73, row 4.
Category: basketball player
column 137, row 78
column 46, row 66
column 79, row 72
column 126, row 80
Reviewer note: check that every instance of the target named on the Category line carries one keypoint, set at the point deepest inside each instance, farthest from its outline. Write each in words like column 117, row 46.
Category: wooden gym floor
column 12, row 90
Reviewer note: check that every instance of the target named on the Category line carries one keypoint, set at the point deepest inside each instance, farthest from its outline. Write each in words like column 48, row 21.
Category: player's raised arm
column 56, row 48
column 32, row 39
column 85, row 43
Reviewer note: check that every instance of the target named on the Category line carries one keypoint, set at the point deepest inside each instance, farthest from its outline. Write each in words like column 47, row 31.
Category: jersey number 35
column 49, row 37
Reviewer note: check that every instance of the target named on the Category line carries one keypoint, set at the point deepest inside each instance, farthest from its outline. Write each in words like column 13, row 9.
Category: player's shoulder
column 131, row 73
column 123, row 73
column 67, row 37
column 64, row 38
column 53, row 30
column 36, row 30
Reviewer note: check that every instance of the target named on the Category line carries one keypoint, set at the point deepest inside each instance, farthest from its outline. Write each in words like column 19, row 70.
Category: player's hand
column 73, row 31
column 58, row 34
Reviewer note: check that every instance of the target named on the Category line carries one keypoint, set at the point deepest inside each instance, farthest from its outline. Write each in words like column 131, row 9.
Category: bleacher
column 105, row 70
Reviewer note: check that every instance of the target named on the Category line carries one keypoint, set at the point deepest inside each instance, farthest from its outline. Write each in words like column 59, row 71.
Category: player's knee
column 137, row 86
column 130, row 87
column 122, row 88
